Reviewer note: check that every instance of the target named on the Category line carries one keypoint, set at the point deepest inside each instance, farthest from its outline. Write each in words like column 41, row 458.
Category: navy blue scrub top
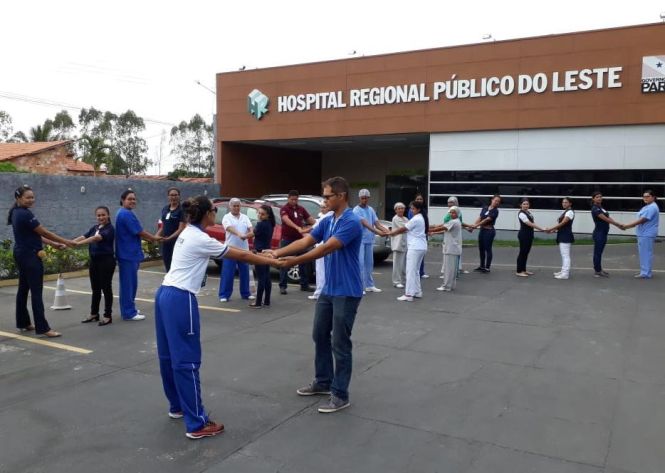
column 26, row 240
column 171, row 219
column 105, row 246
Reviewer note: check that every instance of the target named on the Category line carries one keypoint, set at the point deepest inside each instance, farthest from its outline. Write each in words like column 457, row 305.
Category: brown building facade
column 511, row 116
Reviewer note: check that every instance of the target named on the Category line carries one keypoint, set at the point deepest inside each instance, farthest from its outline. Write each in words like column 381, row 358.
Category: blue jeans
column 367, row 263
column 228, row 272
column 599, row 242
column 334, row 315
column 645, row 249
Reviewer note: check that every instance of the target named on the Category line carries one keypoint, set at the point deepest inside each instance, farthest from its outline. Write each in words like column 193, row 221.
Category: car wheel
column 293, row 274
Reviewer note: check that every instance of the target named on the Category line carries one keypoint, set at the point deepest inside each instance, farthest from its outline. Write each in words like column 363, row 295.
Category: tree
column 6, row 127
column 97, row 151
column 44, row 132
column 63, row 125
column 129, row 145
column 192, row 146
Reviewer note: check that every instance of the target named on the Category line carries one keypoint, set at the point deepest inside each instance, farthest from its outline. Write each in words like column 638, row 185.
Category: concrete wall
column 61, row 206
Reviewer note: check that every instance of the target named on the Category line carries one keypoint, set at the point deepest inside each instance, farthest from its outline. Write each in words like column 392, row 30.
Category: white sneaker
column 441, row 277
column 558, row 273
column 425, row 276
column 312, row 298
column 137, row 317
column 561, row 276
column 399, row 285
column 373, row 289
column 223, row 299
column 364, row 293
column 405, row 298
column 251, row 298
column 440, row 288
column 176, row 415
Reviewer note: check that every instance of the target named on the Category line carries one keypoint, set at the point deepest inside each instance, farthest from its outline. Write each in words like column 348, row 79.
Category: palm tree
column 43, row 132
column 96, row 151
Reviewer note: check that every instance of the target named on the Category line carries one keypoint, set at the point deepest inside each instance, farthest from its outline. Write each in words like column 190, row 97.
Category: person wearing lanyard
column 434, row 229
column 525, row 237
column 128, row 235
column 452, row 248
column 262, row 239
column 416, row 244
column 371, row 226
column 564, row 237
column 177, row 319
column 296, row 222
column 485, row 222
column 238, row 230
column 602, row 222
column 100, row 239
column 646, row 231
column 29, row 237
column 172, row 224
column 336, row 308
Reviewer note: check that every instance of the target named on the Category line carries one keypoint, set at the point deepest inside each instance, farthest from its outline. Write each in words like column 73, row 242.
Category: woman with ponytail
column 177, row 315
column 29, row 238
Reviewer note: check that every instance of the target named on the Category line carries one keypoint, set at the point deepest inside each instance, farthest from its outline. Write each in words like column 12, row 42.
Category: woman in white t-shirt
column 398, row 245
column 177, row 321
column 416, row 244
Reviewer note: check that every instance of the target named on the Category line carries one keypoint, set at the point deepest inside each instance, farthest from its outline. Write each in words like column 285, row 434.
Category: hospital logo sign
column 257, row 103
column 653, row 74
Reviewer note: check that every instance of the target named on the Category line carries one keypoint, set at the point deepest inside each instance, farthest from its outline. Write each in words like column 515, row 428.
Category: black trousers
column 30, row 280
column 485, row 240
column 303, row 269
column 526, row 241
column 102, row 268
column 167, row 254
column 263, row 283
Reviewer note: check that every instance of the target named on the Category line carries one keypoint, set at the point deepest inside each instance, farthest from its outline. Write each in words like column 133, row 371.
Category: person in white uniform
column 177, row 323
column 398, row 245
column 452, row 244
column 416, row 244
column 320, row 266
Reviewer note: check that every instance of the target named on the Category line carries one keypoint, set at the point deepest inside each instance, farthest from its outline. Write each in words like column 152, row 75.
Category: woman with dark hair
column 29, row 238
column 646, row 231
column 525, row 236
column 100, row 239
column 485, row 222
column 423, row 212
column 564, row 236
column 602, row 221
column 416, row 244
column 128, row 235
column 177, row 322
column 262, row 238
column 173, row 223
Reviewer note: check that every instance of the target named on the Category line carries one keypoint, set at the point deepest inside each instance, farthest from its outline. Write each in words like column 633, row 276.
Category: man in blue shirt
column 646, row 232
column 371, row 226
column 340, row 234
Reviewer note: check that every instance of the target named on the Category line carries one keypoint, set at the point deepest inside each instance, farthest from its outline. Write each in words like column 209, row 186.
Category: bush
column 55, row 262
column 9, row 167
column 151, row 250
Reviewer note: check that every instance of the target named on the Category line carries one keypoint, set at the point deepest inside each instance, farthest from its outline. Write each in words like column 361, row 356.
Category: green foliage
column 6, row 127
column 151, row 250
column 192, row 146
column 44, row 132
column 95, row 151
column 179, row 172
column 55, row 262
column 9, row 167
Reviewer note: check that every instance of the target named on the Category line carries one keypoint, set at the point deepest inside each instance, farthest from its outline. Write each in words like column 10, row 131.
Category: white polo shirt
column 241, row 224
column 191, row 254
column 416, row 234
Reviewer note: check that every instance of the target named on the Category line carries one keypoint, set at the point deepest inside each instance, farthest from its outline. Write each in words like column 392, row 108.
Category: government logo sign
column 653, row 74
column 257, row 103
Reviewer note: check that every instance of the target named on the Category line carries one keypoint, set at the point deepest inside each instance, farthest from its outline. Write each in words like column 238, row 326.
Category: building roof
column 14, row 150
column 80, row 166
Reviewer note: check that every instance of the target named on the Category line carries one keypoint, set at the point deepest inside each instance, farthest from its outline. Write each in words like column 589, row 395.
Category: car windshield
column 313, row 208
column 251, row 212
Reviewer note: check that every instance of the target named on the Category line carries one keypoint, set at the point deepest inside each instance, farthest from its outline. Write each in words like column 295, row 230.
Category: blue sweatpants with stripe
column 179, row 350
column 129, row 283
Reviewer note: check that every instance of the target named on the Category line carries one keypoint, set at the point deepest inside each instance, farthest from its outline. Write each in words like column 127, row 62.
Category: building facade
column 544, row 117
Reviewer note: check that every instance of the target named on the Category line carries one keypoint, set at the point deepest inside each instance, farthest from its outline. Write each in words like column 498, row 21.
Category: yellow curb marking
column 45, row 343
column 207, row 307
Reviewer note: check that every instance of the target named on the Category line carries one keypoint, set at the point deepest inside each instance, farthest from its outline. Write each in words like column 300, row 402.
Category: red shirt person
column 296, row 222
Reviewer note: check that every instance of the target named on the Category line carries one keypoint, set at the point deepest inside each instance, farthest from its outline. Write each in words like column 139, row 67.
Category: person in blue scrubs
column 177, row 319
column 646, row 231
column 173, row 223
column 371, row 226
column 336, row 307
column 128, row 251
column 29, row 238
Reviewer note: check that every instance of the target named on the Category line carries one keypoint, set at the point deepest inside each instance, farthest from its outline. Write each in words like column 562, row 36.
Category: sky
column 147, row 55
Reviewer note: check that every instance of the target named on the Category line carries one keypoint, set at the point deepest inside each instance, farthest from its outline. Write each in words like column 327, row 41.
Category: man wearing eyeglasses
column 340, row 235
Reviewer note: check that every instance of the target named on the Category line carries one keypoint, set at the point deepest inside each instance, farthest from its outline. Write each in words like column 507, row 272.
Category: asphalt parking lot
column 504, row 375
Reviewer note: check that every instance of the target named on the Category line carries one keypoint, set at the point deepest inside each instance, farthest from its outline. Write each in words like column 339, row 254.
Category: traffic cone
column 60, row 301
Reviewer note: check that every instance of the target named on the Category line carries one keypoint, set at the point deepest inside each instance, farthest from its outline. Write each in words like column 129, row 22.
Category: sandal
column 105, row 321
column 92, row 318
column 51, row 334
column 29, row 328
column 254, row 305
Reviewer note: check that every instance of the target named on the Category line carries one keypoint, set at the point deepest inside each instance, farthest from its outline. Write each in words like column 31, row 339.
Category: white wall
column 616, row 147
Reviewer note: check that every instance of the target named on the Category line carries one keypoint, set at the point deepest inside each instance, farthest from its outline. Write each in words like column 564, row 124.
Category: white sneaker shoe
column 425, row 276
column 176, row 415
column 223, row 299
column 399, row 285
column 561, row 276
column 405, row 298
column 251, row 298
column 440, row 288
column 373, row 289
column 312, row 298
column 558, row 273
column 441, row 277
column 137, row 317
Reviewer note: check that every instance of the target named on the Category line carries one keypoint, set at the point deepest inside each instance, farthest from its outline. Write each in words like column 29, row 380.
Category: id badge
column 168, row 215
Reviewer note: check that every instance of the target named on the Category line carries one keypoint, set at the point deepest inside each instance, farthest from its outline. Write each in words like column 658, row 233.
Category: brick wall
column 51, row 161
column 62, row 207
